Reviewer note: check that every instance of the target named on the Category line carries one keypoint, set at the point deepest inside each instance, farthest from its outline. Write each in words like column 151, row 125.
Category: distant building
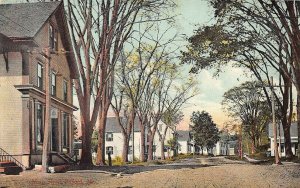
column 114, row 140
column 294, row 138
column 184, row 142
column 25, row 30
column 227, row 144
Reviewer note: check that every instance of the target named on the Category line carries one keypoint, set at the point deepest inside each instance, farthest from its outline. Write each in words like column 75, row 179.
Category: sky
column 192, row 14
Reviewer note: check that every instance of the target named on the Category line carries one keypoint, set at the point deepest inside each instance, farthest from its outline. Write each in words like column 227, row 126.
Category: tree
column 204, row 131
column 248, row 105
column 171, row 120
column 134, row 73
column 248, row 37
column 280, row 18
column 99, row 30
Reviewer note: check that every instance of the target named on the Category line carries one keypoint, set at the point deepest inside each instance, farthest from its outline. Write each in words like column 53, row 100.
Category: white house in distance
column 225, row 146
column 184, row 142
column 114, row 140
column 294, row 139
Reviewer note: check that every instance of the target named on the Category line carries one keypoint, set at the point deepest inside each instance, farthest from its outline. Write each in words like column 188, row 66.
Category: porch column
column 26, row 129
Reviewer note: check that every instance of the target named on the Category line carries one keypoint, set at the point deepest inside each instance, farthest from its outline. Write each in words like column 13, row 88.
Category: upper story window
column 40, row 76
column 53, row 84
column 109, row 137
column 53, row 38
column 65, row 90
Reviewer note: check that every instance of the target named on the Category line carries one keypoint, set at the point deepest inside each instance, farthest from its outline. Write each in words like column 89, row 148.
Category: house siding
column 11, row 104
column 18, row 107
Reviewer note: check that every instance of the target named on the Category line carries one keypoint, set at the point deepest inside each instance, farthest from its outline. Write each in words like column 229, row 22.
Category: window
column 40, row 76
column 53, row 84
column 109, row 137
column 130, row 150
column 110, row 150
column 154, row 148
column 53, row 38
column 65, row 90
column 282, row 148
column 39, row 124
column 65, row 130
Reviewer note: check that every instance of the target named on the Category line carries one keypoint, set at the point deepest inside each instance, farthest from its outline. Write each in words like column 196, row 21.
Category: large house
column 294, row 139
column 26, row 30
column 114, row 140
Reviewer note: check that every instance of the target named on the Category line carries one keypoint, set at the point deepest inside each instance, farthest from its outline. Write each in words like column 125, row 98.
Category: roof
column 293, row 130
column 113, row 126
column 183, row 135
column 24, row 20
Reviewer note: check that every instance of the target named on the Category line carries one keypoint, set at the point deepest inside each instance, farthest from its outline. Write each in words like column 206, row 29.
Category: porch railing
column 4, row 156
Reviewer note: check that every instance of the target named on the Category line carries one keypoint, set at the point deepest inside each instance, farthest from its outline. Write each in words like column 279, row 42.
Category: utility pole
column 279, row 135
column 133, row 141
column 277, row 160
column 45, row 155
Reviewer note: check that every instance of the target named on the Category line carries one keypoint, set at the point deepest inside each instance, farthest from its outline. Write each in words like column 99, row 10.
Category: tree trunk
column 287, row 139
column 150, row 148
column 253, row 145
column 101, row 138
column 298, row 121
column 162, row 149
column 86, row 155
column 125, row 148
column 142, row 154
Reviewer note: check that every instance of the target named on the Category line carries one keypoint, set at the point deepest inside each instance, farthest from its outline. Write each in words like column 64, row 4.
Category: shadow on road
column 134, row 169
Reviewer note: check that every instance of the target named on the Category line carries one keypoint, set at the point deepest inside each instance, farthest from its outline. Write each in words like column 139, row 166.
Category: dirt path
column 211, row 172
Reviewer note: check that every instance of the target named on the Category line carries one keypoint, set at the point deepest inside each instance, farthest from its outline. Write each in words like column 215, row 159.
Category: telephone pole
column 277, row 160
column 45, row 155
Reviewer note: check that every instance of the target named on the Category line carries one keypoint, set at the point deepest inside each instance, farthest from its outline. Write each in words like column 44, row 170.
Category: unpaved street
column 202, row 172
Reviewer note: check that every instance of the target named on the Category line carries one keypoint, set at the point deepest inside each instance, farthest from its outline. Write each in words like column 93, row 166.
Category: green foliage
column 247, row 104
column 172, row 143
column 117, row 161
column 204, row 130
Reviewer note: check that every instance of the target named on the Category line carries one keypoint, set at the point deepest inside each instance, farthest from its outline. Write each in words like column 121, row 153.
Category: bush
column 117, row 161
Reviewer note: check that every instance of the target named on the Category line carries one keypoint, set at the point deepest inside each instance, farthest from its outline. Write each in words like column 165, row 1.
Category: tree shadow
column 134, row 169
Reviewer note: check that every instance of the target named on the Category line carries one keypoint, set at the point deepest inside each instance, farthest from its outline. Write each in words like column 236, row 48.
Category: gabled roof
column 293, row 130
column 24, row 20
column 183, row 135
column 113, row 127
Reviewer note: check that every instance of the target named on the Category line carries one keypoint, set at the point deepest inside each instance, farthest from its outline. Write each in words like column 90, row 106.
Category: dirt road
column 210, row 172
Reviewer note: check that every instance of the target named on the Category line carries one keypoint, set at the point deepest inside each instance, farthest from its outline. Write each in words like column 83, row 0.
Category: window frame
column 65, row 90
column 53, row 87
column 65, row 130
column 40, row 79
column 53, row 37
column 108, row 150
column 108, row 138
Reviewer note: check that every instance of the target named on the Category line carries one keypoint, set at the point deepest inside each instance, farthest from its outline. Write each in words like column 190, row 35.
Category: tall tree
column 204, row 131
column 99, row 30
column 247, row 104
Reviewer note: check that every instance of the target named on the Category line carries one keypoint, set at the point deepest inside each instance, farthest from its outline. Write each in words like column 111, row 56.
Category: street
column 197, row 172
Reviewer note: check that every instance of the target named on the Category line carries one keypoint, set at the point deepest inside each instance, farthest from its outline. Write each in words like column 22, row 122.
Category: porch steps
column 9, row 168
column 66, row 158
